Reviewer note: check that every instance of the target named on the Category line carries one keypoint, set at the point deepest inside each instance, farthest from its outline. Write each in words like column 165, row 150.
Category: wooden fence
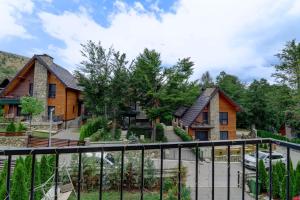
column 55, row 142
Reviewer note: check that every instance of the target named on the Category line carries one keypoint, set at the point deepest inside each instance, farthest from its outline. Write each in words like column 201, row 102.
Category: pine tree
column 27, row 164
column 45, row 171
column 283, row 189
column 263, row 176
column 276, row 182
column 297, row 180
column 18, row 187
column 37, row 181
column 3, row 181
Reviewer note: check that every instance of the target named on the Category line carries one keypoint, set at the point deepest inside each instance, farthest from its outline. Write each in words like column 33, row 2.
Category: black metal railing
column 197, row 145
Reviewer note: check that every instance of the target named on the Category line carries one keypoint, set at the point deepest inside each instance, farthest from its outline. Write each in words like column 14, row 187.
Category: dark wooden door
column 201, row 135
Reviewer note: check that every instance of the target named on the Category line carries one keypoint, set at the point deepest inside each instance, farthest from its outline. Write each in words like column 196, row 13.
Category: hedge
column 182, row 134
column 266, row 134
column 138, row 131
column 92, row 126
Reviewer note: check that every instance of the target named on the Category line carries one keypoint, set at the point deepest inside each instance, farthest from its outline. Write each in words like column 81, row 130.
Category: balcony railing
column 196, row 145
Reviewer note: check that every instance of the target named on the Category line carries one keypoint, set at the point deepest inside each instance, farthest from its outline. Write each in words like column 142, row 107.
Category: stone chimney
column 46, row 58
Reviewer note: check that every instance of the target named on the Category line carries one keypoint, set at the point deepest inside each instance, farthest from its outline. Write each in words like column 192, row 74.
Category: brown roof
column 61, row 73
column 202, row 101
column 180, row 111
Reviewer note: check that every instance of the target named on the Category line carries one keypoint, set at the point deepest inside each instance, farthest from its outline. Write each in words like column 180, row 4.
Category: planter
column 12, row 134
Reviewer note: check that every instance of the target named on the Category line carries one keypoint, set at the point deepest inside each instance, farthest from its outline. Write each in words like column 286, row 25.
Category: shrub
column 263, row 176
column 173, row 193
column 11, row 127
column 297, row 180
column 20, row 127
column 182, row 134
column 45, row 171
column 92, row 126
column 102, row 135
column 168, row 184
column 118, row 134
column 18, row 188
column 160, row 133
column 138, row 131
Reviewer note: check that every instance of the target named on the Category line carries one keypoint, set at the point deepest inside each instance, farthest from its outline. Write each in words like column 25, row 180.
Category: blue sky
column 239, row 37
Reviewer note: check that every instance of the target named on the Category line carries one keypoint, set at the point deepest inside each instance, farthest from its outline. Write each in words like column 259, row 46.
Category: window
column 224, row 135
column 30, row 89
column 205, row 117
column 223, row 118
column 52, row 91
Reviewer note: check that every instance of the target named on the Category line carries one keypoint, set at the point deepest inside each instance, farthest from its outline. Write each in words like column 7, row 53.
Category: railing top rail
column 286, row 144
column 119, row 147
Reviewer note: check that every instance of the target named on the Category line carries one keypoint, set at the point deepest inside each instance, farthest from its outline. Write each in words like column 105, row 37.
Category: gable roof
column 198, row 106
column 202, row 101
column 62, row 74
column 180, row 111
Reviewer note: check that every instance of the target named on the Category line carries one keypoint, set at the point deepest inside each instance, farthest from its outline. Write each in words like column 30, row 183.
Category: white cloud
column 217, row 35
column 11, row 13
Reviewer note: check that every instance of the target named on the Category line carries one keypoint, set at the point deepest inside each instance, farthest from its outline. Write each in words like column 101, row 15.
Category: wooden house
column 53, row 85
column 211, row 117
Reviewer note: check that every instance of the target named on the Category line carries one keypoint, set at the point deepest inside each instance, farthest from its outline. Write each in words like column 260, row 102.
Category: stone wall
column 14, row 141
column 214, row 118
column 40, row 87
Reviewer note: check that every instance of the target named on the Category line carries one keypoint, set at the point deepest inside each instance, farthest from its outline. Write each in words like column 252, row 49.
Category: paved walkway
column 70, row 133
column 186, row 154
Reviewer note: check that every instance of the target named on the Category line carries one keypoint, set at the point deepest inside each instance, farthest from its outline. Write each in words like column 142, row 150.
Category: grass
column 40, row 134
column 116, row 195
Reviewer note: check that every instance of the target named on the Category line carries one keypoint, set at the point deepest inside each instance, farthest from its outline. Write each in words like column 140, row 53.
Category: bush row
column 182, row 134
column 279, row 174
column 98, row 129
column 266, row 134
column 21, row 177
column 147, row 132
column 12, row 127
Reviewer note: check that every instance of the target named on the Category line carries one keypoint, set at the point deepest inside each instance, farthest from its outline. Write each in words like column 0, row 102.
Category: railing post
column 8, row 177
column 161, row 172
column 142, row 174
column 79, row 177
column 179, row 172
column 122, row 174
column 32, row 177
column 228, row 172
column 56, row 176
column 243, row 180
column 257, row 173
column 288, row 174
column 213, row 172
column 196, row 179
column 101, row 175
column 270, row 172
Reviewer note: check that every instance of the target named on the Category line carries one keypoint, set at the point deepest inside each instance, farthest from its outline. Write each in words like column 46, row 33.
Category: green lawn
column 40, row 134
column 116, row 195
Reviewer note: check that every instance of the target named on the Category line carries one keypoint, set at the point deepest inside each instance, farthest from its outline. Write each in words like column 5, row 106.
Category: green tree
column 37, row 181
column 3, row 175
column 148, row 81
column 45, row 171
column 263, row 176
column 276, row 182
column 31, row 106
column 178, row 89
column 206, row 81
column 18, row 187
column 119, row 87
column 94, row 76
column 288, row 70
column 297, row 180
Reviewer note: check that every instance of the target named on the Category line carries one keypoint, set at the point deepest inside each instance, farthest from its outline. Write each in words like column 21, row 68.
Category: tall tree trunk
column 114, row 123
column 154, row 130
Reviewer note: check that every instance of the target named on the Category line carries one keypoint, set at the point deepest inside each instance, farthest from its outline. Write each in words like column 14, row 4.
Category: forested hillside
column 10, row 64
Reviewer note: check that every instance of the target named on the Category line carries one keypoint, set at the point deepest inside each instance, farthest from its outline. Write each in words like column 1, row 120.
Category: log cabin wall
column 225, row 106
column 59, row 100
column 72, row 104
